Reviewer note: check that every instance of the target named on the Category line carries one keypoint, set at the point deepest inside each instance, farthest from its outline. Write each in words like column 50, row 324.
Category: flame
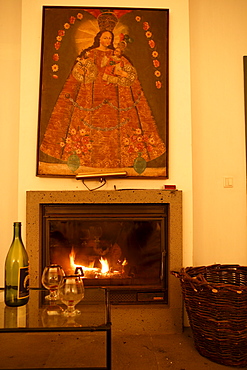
column 125, row 263
column 104, row 265
column 88, row 270
column 74, row 265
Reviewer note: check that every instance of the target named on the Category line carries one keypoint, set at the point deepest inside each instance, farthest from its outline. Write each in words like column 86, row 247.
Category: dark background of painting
column 138, row 52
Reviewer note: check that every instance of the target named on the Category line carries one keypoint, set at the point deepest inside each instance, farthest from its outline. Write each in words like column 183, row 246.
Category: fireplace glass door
column 121, row 246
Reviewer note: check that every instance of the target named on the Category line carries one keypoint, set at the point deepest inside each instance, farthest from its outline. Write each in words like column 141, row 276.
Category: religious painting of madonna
column 103, row 103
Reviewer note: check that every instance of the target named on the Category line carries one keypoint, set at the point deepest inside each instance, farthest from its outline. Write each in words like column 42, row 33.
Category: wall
column 206, row 105
column 10, row 57
column 218, row 43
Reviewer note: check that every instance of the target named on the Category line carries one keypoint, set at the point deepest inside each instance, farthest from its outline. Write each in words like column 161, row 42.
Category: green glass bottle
column 16, row 271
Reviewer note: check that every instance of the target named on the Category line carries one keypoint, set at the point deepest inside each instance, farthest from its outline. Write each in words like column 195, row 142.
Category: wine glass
column 51, row 277
column 71, row 292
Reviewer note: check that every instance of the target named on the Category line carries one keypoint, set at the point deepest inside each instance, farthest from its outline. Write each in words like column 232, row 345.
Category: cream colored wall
column 218, row 43
column 10, row 53
column 217, row 122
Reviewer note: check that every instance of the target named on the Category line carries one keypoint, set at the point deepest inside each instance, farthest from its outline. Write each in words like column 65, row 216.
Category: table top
column 42, row 315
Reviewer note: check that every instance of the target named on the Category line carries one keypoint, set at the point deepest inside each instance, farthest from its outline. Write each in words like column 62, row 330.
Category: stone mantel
column 171, row 197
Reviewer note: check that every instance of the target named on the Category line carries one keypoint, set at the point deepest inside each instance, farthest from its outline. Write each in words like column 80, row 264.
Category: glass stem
column 53, row 293
column 71, row 308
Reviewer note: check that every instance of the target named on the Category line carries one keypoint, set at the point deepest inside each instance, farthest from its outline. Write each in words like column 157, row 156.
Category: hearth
column 165, row 206
column 119, row 246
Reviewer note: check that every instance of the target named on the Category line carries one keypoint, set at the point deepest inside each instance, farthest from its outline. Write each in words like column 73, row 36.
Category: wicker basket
column 216, row 303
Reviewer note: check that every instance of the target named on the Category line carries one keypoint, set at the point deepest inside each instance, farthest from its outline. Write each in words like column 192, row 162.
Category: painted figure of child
column 114, row 68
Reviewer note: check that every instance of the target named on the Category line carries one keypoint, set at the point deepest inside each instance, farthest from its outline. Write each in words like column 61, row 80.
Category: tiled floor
column 129, row 351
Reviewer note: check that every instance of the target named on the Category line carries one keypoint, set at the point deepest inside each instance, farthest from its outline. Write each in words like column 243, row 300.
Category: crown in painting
column 107, row 21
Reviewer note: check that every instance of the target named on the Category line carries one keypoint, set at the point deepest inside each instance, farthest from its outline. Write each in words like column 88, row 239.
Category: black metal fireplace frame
column 118, row 294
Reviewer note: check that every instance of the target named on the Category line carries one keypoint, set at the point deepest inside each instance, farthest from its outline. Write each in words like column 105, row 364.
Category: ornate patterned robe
column 102, row 117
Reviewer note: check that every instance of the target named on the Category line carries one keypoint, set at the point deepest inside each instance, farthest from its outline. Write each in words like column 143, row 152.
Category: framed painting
column 103, row 102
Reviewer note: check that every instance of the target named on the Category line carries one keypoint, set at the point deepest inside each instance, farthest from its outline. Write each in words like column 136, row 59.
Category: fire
column 90, row 271
column 105, row 265
column 74, row 265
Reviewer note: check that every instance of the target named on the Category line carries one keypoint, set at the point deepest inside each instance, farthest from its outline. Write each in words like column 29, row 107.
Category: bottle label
column 23, row 291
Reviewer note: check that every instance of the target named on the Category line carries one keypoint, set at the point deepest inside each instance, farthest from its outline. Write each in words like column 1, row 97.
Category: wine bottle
column 16, row 271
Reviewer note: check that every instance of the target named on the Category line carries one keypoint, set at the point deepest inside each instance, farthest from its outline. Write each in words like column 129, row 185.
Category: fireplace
column 119, row 246
column 149, row 283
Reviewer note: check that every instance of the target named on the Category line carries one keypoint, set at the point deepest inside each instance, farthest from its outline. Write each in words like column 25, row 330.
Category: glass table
column 40, row 315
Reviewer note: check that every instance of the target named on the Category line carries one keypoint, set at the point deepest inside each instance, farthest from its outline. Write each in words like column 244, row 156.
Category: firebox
column 123, row 247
